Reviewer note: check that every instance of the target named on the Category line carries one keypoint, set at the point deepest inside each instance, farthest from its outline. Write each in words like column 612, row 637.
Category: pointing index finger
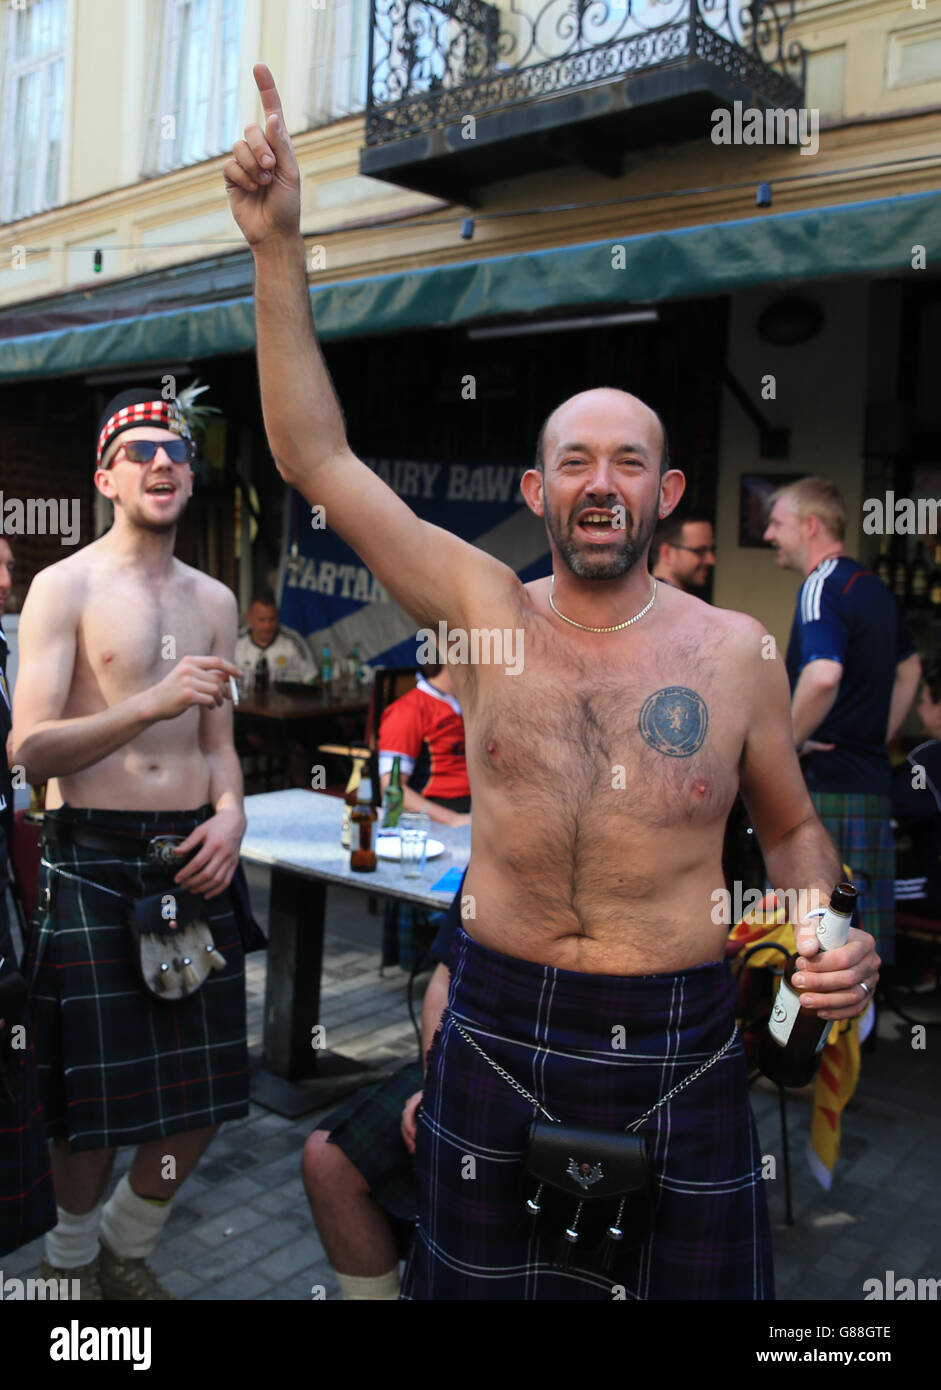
column 271, row 102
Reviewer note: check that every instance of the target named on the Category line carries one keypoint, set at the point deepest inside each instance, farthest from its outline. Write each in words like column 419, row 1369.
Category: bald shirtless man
column 591, row 969
column 122, row 704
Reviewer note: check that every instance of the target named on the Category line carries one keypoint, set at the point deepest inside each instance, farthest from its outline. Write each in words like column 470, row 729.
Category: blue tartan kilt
column 116, row 1065
column 595, row 1050
column 27, row 1202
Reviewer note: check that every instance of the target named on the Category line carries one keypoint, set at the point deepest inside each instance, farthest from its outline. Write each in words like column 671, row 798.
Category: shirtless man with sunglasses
column 123, row 707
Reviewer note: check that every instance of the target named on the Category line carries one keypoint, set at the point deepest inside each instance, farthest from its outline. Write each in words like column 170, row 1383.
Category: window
column 33, row 85
column 338, row 61
column 194, row 86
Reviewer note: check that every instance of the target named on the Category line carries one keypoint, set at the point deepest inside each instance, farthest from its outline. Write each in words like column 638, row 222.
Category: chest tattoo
column 674, row 721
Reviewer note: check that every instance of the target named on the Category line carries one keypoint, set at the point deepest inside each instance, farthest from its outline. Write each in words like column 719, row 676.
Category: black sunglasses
column 145, row 450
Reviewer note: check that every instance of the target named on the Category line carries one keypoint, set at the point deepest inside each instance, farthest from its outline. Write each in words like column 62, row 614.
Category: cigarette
column 233, row 690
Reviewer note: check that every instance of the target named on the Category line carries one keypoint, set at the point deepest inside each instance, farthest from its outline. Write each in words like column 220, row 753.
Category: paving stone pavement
column 241, row 1228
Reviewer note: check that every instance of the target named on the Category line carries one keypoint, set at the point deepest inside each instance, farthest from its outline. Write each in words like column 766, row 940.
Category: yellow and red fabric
column 839, row 1069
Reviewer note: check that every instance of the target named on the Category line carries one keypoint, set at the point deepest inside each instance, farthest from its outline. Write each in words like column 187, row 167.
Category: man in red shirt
column 425, row 730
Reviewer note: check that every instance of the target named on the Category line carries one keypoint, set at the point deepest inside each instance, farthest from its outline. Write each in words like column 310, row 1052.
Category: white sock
column 379, row 1286
column 73, row 1240
column 131, row 1225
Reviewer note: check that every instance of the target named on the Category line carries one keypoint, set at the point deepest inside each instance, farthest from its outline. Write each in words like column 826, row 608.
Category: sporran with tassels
column 596, row 1187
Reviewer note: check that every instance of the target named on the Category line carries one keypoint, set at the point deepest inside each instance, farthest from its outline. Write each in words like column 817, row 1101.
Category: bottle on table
column 883, row 565
column 363, row 858
column 900, row 578
column 353, row 664
column 919, row 580
column 790, row 1046
column 350, row 798
column 934, row 583
column 326, row 671
column 262, row 676
column 392, row 797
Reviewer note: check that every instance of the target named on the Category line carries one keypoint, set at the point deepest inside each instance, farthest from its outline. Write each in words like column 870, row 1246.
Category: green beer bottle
column 392, row 797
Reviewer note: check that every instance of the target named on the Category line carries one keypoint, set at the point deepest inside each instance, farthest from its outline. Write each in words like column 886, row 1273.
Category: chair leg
column 888, row 996
column 410, row 1000
column 788, row 1209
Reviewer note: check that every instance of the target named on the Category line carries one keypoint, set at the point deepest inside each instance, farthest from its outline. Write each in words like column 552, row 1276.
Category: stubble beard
column 611, row 562
column 139, row 521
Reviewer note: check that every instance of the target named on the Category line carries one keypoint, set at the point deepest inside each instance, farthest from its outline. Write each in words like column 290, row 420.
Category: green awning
column 867, row 238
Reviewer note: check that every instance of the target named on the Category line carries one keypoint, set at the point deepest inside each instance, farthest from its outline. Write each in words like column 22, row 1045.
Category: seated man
column 424, row 729
column 278, row 654
column 282, row 650
column 357, row 1170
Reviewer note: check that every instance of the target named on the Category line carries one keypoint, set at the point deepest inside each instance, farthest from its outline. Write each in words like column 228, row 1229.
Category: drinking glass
column 413, row 838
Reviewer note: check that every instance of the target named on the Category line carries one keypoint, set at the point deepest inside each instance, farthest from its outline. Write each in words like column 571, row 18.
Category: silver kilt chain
column 680, row 1086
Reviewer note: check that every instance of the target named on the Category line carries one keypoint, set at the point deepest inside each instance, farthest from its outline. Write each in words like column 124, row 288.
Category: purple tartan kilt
column 116, row 1065
column 554, row 1031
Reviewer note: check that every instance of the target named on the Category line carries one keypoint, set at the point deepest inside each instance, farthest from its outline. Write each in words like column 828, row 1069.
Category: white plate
column 390, row 847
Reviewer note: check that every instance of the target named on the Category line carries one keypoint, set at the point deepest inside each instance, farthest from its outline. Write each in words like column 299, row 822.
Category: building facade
column 738, row 220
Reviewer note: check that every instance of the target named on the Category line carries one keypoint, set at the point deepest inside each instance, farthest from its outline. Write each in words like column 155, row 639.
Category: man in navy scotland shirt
column 853, row 675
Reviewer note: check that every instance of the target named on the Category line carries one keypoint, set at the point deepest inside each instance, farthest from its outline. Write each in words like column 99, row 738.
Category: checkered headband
column 167, row 414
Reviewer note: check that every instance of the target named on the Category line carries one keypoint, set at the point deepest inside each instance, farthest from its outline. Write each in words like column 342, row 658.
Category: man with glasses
column 122, row 705
column 684, row 552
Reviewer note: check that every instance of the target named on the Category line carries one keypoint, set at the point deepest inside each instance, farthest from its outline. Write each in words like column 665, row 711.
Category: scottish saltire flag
column 329, row 595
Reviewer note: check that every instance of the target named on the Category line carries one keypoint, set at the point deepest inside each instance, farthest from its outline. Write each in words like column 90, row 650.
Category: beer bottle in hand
column 392, row 796
column 790, row 1046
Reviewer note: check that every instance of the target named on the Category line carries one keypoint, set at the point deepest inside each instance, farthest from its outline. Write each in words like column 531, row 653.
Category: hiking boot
column 130, row 1279
column 87, row 1275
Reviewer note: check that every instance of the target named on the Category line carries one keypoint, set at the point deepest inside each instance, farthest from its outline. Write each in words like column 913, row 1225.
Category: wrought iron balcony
column 549, row 82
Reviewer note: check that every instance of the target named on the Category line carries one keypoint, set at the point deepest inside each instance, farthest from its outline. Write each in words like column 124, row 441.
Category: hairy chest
column 659, row 745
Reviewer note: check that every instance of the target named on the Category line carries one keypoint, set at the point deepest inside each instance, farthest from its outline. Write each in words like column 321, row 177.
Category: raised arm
column 429, row 571
column 47, row 745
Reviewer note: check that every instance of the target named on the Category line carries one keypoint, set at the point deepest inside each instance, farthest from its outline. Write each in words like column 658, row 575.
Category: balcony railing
column 434, row 62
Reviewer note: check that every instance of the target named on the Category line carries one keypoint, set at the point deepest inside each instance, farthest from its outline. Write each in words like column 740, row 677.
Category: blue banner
column 330, row 597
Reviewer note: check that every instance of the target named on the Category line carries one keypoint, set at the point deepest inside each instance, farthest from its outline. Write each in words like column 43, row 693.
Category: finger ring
column 864, row 986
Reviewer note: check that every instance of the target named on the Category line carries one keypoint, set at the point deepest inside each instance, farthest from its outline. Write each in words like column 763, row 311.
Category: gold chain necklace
column 617, row 627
